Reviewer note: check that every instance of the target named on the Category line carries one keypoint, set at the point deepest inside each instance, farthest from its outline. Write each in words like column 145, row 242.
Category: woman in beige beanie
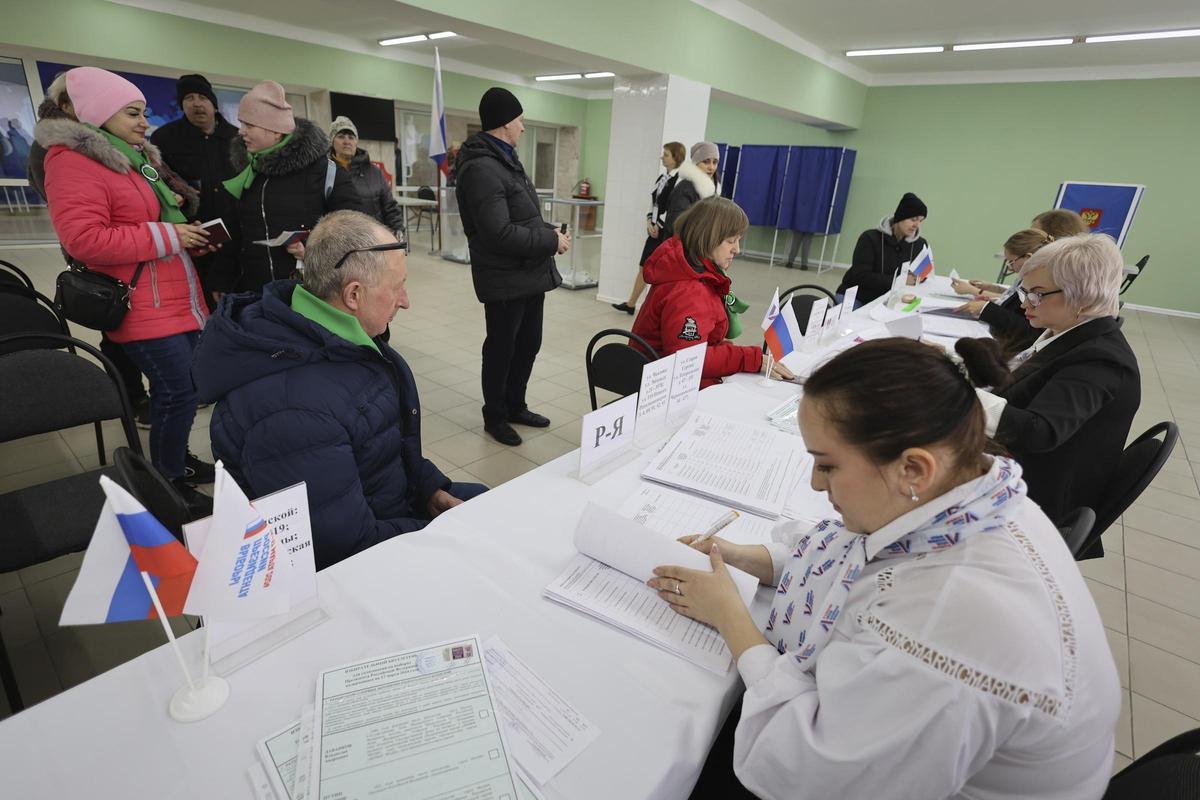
column 286, row 183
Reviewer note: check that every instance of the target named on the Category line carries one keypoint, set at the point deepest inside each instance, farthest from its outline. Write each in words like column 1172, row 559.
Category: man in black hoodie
column 512, row 260
column 197, row 147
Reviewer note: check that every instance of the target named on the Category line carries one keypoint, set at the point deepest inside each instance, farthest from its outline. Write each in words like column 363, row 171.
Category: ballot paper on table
column 607, row 580
column 545, row 732
column 750, row 467
column 675, row 514
column 957, row 328
column 419, row 724
column 278, row 754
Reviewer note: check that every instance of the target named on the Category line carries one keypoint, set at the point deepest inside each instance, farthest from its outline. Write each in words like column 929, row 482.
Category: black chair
column 1170, row 771
column 24, row 310
column 803, row 296
column 152, row 490
column 1075, row 528
column 1129, row 279
column 424, row 193
column 12, row 275
column 45, row 390
column 1140, row 463
column 617, row 366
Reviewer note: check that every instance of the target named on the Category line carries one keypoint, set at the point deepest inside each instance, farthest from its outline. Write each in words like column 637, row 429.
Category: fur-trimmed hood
column 51, row 131
column 885, row 226
column 308, row 144
column 704, row 184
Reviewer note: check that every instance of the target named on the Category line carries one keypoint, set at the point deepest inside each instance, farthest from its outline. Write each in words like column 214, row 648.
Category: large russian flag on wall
column 128, row 541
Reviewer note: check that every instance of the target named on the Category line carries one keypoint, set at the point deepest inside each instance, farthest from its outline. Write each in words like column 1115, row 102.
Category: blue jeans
column 167, row 364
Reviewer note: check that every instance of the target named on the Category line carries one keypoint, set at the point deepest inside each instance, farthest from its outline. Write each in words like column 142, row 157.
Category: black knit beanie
column 497, row 108
column 198, row 84
column 910, row 206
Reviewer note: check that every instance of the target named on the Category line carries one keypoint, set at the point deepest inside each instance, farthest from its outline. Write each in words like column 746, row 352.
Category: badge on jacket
column 691, row 331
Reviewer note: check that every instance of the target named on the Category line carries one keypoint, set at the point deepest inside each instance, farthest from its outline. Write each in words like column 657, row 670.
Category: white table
column 478, row 569
column 406, row 202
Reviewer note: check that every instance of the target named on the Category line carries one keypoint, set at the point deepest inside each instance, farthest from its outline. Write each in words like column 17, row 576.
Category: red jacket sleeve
column 80, row 197
column 686, row 322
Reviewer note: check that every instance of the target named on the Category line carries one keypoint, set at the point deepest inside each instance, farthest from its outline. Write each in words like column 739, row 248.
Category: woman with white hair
column 1065, row 410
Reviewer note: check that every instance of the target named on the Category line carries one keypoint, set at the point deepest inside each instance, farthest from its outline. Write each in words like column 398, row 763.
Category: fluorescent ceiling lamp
column 574, row 76
column 442, row 35
column 420, row 37
column 895, row 51
column 598, row 74
column 1008, row 45
column 1134, row 37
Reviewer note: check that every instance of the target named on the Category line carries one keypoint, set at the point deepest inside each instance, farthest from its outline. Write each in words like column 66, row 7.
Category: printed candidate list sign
column 685, row 382
column 417, row 725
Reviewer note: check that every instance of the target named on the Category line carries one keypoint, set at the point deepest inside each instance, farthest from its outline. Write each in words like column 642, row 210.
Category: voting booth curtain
column 789, row 187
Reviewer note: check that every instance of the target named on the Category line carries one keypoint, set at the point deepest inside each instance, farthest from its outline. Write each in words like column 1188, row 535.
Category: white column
column 647, row 112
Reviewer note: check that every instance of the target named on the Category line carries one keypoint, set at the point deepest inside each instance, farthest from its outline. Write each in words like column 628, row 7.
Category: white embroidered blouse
column 981, row 671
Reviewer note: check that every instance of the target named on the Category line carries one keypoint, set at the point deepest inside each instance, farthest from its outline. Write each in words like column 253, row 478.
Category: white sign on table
column 848, row 300
column 654, row 397
column 607, row 434
column 685, row 382
column 816, row 321
column 235, row 644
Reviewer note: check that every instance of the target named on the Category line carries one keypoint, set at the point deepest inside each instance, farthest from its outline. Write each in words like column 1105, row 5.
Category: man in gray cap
column 512, row 260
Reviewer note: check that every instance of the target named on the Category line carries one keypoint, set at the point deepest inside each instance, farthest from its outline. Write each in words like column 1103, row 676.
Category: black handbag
column 93, row 299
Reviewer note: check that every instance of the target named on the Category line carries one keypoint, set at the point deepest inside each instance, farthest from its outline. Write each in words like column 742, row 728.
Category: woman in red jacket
column 690, row 299
column 113, row 212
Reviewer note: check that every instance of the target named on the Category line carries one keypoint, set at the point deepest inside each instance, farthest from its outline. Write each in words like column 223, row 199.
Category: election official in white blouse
column 937, row 641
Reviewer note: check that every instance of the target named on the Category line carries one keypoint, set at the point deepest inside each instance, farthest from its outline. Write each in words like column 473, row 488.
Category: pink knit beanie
column 97, row 94
column 266, row 107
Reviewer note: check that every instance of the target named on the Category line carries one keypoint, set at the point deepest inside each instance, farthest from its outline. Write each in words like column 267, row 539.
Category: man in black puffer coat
column 285, row 186
column 512, row 260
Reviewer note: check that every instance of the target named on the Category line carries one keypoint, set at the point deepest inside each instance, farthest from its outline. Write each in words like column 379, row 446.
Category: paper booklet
column 284, row 239
column 607, row 580
column 217, row 232
column 750, row 467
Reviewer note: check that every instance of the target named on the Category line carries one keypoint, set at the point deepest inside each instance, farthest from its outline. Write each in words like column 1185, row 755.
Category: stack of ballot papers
column 746, row 466
column 449, row 720
column 607, row 580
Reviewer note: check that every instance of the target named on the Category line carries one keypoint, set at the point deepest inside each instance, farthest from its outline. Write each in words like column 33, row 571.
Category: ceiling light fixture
column 895, row 51
column 573, row 76
column 958, row 48
column 443, row 35
column 1135, row 37
column 599, row 74
column 420, row 37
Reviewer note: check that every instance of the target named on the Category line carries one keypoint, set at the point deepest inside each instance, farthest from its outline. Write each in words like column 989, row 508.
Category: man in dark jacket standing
column 307, row 390
column 197, row 147
column 512, row 260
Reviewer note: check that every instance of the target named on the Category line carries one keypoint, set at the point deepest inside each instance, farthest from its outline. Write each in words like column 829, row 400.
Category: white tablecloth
column 478, row 569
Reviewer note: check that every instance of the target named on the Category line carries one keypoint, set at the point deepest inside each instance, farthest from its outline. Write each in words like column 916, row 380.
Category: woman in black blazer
column 673, row 154
column 1065, row 411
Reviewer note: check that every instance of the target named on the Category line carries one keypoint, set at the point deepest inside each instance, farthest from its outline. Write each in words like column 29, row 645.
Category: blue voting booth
column 1105, row 207
column 789, row 188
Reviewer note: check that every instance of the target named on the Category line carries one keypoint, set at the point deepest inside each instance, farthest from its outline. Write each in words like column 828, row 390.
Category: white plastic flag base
column 194, row 703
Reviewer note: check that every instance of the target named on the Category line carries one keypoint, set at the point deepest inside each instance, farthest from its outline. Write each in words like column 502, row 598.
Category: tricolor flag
column 244, row 570
column 437, row 119
column 922, row 265
column 128, row 541
column 783, row 336
column 772, row 311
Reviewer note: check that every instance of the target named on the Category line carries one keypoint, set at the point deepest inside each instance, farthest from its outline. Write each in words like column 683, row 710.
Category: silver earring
column 912, row 493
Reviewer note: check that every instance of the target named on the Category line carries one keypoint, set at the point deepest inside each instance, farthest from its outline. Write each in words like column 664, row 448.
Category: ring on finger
column 678, row 591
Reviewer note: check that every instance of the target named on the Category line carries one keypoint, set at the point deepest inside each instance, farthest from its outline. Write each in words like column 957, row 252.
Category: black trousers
column 514, row 336
column 131, row 376
column 717, row 781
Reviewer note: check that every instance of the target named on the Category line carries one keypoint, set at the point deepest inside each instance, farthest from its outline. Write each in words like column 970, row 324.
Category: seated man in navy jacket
column 306, row 390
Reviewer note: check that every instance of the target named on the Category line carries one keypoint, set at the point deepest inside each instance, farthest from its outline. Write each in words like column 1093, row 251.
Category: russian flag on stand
column 922, row 265
column 783, row 336
column 128, row 541
column 437, row 120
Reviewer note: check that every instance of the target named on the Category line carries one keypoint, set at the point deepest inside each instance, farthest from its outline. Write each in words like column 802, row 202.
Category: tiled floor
column 1147, row 587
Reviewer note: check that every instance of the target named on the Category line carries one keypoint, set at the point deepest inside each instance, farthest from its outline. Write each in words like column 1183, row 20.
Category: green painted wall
column 593, row 158
column 680, row 38
column 987, row 158
column 108, row 30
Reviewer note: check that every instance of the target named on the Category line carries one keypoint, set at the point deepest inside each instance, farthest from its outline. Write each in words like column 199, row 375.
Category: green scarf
column 168, row 208
column 334, row 320
column 241, row 182
column 733, row 309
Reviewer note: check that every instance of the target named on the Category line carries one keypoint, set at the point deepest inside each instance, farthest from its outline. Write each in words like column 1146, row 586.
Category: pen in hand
column 717, row 527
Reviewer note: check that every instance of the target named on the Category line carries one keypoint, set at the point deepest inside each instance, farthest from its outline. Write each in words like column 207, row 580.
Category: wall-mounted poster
column 1105, row 207
column 161, row 106
column 16, row 120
